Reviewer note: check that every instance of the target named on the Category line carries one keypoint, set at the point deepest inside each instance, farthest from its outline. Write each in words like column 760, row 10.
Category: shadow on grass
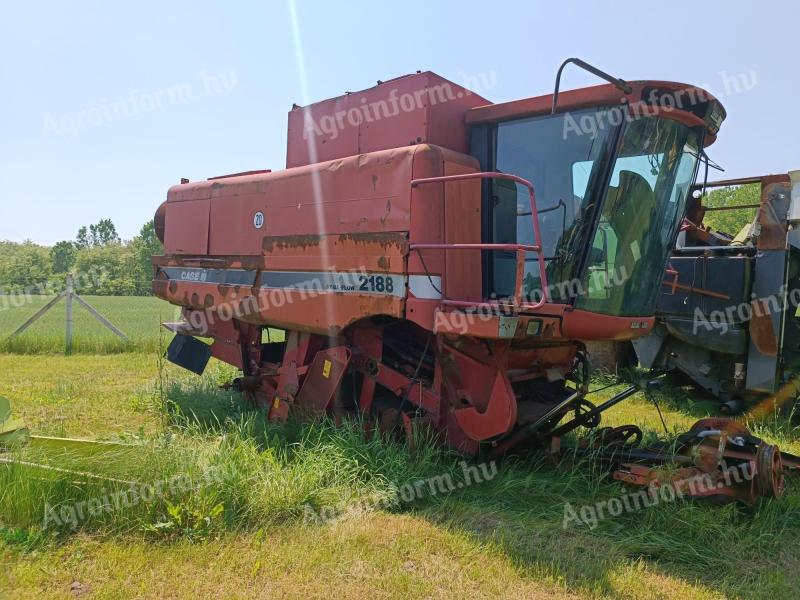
column 523, row 510
column 546, row 521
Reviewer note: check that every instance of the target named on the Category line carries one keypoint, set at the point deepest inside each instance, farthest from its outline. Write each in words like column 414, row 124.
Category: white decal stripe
column 427, row 288
column 217, row 276
column 352, row 282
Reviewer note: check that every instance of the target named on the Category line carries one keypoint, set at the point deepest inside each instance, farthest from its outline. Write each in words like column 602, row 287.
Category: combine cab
column 727, row 311
column 437, row 260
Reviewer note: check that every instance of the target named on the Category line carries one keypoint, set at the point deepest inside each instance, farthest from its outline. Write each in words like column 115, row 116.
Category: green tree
column 62, row 256
column 731, row 221
column 103, row 233
column 144, row 247
column 102, row 262
column 112, row 268
column 82, row 239
column 24, row 266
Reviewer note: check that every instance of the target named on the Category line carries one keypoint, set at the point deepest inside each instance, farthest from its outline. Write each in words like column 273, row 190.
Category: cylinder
column 794, row 207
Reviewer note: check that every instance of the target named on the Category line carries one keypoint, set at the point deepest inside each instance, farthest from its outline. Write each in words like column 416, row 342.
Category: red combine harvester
column 435, row 259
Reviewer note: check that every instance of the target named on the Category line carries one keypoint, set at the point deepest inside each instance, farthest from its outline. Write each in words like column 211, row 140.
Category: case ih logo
column 198, row 275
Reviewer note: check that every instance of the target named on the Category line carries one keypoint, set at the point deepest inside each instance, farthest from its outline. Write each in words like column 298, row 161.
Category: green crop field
column 278, row 511
column 137, row 317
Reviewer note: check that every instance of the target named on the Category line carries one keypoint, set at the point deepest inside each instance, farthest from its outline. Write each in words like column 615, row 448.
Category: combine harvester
column 727, row 313
column 438, row 260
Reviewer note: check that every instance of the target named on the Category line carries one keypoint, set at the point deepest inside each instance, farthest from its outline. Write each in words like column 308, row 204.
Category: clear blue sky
column 69, row 154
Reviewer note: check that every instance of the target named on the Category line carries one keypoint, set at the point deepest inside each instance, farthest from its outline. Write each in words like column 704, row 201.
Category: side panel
column 462, row 221
column 360, row 195
column 766, row 324
column 187, row 227
column 234, row 226
column 769, row 287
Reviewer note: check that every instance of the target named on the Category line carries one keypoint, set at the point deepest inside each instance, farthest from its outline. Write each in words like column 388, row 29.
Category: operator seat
column 630, row 211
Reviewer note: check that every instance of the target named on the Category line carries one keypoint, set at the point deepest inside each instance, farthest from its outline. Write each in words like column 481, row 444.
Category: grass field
column 249, row 526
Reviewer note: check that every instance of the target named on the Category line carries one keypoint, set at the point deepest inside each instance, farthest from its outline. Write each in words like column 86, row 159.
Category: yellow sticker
column 326, row 369
column 276, row 403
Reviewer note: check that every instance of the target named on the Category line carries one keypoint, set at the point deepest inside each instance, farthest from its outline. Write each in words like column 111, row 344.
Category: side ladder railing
column 519, row 249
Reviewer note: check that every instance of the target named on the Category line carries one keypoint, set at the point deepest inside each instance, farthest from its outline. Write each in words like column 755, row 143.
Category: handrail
column 520, row 249
column 618, row 83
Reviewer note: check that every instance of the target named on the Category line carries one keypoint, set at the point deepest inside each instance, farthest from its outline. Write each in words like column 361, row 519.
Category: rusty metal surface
column 413, row 109
column 719, row 459
column 772, row 215
column 762, row 332
column 582, row 325
column 743, row 181
column 321, row 382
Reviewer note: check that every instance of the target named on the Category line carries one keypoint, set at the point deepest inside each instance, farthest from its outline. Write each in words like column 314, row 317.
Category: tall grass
column 238, row 472
column 246, row 474
column 50, row 344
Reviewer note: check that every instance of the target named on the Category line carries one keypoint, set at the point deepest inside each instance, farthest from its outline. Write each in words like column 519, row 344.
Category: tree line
column 116, row 267
column 732, row 221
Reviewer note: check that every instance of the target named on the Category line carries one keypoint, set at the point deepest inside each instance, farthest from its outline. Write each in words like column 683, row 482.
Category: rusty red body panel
column 414, row 109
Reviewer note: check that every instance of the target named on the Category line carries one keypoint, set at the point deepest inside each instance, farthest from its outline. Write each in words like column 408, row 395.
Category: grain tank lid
column 378, row 84
column 413, row 109
column 243, row 182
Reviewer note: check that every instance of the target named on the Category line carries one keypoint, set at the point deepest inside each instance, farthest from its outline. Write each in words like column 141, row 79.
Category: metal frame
column 69, row 295
column 520, row 249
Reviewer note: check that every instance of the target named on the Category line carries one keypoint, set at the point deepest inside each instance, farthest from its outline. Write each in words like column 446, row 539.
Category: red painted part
column 499, row 416
column 322, row 381
column 583, row 325
column 422, row 108
column 599, row 95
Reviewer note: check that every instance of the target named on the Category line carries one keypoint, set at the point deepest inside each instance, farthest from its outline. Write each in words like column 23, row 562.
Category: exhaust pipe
column 794, row 206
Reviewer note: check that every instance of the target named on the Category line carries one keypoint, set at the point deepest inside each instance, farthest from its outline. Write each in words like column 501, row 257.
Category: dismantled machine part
column 727, row 314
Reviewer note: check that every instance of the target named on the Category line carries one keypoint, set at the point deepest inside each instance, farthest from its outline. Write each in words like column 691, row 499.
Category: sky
column 105, row 105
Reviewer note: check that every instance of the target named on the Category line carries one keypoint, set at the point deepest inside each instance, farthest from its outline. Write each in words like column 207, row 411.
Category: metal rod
column 101, row 318
column 529, row 430
column 508, row 247
column 623, row 454
column 38, row 315
column 739, row 207
column 620, row 84
column 737, row 181
column 587, row 416
column 70, row 293
column 693, row 290
column 724, row 249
